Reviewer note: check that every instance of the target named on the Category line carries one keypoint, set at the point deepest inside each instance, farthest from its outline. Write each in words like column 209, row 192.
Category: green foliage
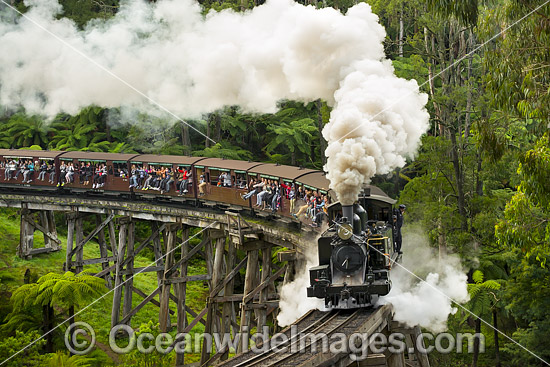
column 61, row 359
column 69, row 290
column 153, row 359
column 524, row 233
column 83, row 11
column 23, row 131
column 464, row 10
column 224, row 150
column 29, row 357
column 482, row 294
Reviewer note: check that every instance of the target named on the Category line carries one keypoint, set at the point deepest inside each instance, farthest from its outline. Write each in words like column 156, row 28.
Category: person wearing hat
column 397, row 224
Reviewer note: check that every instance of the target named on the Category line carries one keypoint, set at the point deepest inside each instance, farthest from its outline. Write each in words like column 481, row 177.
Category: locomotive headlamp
column 345, row 231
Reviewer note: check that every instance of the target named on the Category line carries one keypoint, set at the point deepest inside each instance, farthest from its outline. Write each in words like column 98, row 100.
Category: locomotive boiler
column 355, row 257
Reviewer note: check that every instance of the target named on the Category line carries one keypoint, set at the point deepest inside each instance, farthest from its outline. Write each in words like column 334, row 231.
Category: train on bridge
column 355, row 252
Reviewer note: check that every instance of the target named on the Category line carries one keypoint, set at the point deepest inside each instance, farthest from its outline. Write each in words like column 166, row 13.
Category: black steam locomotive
column 355, row 254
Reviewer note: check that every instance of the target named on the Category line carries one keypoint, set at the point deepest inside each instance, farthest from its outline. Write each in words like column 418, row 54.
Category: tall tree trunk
column 207, row 141
column 218, row 120
column 322, row 141
column 479, row 181
column 185, row 139
column 497, row 348
column 401, row 31
column 431, row 75
column 469, row 95
column 442, row 247
column 476, row 343
column 459, row 179
column 71, row 321
column 47, row 312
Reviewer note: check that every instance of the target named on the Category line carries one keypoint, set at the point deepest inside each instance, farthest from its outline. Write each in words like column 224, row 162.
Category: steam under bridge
column 228, row 244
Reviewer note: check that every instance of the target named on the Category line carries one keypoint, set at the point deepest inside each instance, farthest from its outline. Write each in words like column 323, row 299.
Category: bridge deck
column 279, row 233
column 298, row 348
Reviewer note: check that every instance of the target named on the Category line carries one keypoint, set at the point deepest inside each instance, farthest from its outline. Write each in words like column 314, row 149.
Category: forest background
column 479, row 186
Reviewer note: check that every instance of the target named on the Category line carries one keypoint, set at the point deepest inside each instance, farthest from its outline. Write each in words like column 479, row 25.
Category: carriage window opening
column 240, row 180
column 220, row 177
column 120, row 169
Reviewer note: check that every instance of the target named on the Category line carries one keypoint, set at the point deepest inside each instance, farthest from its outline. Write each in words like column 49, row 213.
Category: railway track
column 300, row 349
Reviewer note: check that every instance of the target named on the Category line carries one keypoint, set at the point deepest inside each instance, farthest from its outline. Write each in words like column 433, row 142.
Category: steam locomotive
column 355, row 255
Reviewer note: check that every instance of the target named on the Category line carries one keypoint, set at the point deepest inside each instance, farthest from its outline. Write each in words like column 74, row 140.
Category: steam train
column 119, row 165
column 355, row 252
column 117, row 185
column 355, row 255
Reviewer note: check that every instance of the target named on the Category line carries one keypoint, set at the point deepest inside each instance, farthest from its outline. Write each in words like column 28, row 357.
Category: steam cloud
column 192, row 65
column 294, row 302
column 427, row 304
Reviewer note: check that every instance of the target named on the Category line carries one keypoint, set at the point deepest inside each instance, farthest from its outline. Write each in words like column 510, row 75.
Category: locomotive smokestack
column 347, row 213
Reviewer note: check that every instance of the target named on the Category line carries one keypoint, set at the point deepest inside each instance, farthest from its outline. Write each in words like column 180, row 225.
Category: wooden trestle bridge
column 224, row 235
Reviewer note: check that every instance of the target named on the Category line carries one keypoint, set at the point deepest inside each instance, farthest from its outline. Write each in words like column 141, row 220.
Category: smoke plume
column 376, row 123
column 294, row 302
column 428, row 303
column 193, row 64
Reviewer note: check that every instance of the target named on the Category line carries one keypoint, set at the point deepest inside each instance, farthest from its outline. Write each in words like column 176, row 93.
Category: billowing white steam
column 428, row 303
column 377, row 121
column 415, row 302
column 192, row 64
column 293, row 297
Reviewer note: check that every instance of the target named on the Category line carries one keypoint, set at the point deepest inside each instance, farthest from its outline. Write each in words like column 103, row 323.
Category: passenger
column 292, row 198
column 43, row 170
column 398, row 223
column 300, row 195
column 12, row 168
column 51, row 170
column 221, row 179
column 321, row 213
column 227, row 180
column 171, row 179
column 103, row 176
column 260, row 198
column 165, row 177
column 253, row 187
column 202, row 185
column 303, row 209
column 241, row 182
column 183, row 185
column 276, row 201
column 28, row 171
column 20, row 168
column 89, row 173
column 142, row 177
column 146, row 184
column 69, row 177
column 6, row 170
column 82, row 173
column 99, row 177
column 261, row 191
column 134, row 177
column 158, row 176
column 62, row 173
column 33, row 169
